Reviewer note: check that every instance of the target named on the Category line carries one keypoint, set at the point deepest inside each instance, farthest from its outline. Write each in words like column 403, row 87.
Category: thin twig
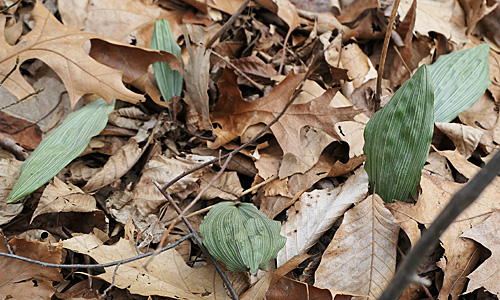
column 199, row 242
column 228, row 24
column 10, row 72
column 24, row 98
column 9, row 7
column 430, row 238
column 383, row 56
column 95, row 266
column 253, row 188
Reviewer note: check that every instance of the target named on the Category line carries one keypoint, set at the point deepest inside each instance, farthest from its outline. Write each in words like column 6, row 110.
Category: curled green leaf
column 169, row 81
column 241, row 236
column 62, row 146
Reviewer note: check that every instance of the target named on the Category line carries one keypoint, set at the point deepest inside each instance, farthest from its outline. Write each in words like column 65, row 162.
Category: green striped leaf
column 169, row 81
column 62, row 146
column 398, row 137
column 459, row 79
column 241, row 236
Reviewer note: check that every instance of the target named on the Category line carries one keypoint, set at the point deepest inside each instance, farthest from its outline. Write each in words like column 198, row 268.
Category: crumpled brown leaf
column 24, row 280
column 235, row 115
column 61, row 47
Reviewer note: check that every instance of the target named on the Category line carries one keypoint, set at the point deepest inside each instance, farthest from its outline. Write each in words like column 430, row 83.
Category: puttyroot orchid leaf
column 241, row 236
column 459, row 79
column 169, row 81
column 62, row 146
column 398, row 137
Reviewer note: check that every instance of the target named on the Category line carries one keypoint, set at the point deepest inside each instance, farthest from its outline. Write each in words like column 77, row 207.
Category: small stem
column 383, row 56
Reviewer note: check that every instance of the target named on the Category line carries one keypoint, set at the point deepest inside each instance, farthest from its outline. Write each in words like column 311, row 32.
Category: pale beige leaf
column 487, row 275
column 196, row 77
column 437, row 165
column 464, row 137
column 227, row 186
column 60, row 197
column 361, row 258
column 165, row 274
column 445, row 17
column 316, row 212
column 116, row 166
column 10, row 169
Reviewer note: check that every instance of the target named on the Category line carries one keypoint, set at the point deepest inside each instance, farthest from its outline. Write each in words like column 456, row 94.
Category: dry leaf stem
column 94, row 266
column 460, row 201
column 383, row 56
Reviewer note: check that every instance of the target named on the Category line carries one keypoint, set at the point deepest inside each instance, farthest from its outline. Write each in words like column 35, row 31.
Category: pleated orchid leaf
column 398, row 137
column 169, row 81
column 241, row 236
column 62, row 146
column 459, row 79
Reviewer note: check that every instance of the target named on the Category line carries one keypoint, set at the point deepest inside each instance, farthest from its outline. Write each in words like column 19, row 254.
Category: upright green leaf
column 169, row 81
column 459, row 79
column 398, row 137
column 241, row 236
column 62, row 146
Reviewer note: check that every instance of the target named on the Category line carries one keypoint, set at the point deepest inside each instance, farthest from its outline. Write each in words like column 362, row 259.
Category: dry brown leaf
column 475, row 10
column 59, row 197
column 227, row 186
column 116, row 166
column 445, row 17
column 235, row 115
column 437, row 166
column 52, row 104
column 494, row 87
column 460, row 254
column 26, row 134
column 359, row 66
column 61, row 47
column 10, row 169
column 121, row 20
column 165, row 274
column 487, row 275
column 485, row 114
column 465, row 138
column 315, row 213
column 197, row 77
column 23, row 280
column 361, row 258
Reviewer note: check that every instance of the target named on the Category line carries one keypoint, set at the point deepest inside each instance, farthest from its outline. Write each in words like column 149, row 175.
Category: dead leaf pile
column 306, row 170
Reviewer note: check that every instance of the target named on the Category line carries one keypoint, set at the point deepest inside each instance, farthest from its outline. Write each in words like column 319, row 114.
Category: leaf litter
column 306, row 171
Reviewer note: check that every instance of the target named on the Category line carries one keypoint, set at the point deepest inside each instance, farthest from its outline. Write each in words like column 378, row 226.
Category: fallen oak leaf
column 61, row 48
column 234, row 115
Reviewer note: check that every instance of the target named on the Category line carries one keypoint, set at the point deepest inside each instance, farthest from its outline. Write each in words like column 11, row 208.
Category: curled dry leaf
column 165, row 274
column 10, row 169
column 197, row 78
column 59, row 197
column 227, row 186
column 361, row 258
column 487, row 275
column 24, row 280
column 465, row 138
column 61, row 48
column 316, row 212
